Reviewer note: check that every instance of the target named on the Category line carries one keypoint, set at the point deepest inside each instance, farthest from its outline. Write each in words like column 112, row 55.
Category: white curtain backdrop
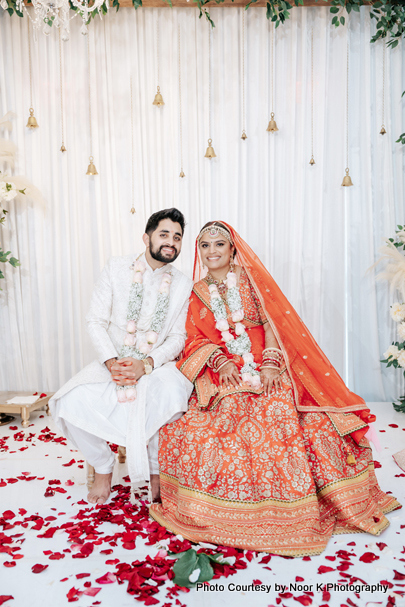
column 317, row 238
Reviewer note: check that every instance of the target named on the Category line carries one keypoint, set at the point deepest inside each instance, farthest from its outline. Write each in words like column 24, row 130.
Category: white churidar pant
column 89, row 415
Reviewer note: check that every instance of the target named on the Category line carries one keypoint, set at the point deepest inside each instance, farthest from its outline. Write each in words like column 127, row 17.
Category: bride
column 272, row 453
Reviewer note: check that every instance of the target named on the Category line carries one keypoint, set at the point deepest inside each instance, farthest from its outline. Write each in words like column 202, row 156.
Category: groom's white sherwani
column 87, row 405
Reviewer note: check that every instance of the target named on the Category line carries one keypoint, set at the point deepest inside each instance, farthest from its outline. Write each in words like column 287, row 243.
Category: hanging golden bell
column 347, row 180
column 32, row 121
column 383, row 131
column 312, row 161
column 91, row 169
column 210, row 151
column 244, row 136
column 272, row 128
column 182, row 173
column 63, row 149
column 158, row 100
column 132, row 210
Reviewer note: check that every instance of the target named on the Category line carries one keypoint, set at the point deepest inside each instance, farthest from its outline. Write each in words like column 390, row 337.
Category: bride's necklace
column 241, row 344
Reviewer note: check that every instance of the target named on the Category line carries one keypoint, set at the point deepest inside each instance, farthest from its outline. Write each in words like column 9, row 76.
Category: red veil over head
column 317, row 385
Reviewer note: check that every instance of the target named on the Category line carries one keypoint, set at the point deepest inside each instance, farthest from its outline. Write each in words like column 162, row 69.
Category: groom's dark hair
column 174, row 214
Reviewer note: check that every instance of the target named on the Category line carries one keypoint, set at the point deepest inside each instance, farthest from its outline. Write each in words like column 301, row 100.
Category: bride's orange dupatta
column 317, row 385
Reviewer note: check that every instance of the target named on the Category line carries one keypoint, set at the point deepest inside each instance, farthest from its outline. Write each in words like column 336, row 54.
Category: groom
column 137, row 325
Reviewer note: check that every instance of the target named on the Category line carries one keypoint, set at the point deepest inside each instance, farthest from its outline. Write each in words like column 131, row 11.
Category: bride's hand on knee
column 229, row 376
column 270, row 377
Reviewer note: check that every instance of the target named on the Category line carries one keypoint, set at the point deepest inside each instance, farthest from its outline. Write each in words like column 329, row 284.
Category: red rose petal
column 304, row 600
column 107, row 578
column 326, row 595
column 73, row 595
column 92, row 591
column 72, row 461
column 325, row 569
column 299, row 579
column 4, row 598
column 38, row 568
column 368, row 557
column 8, row 515
column 399, row 576
column 82, row 575
column 377, row 464
column 9, row 563
column 381, row 545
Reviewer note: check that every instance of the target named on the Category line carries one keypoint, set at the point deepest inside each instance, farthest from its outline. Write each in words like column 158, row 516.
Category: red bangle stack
column 272, row 358
column 217, row 360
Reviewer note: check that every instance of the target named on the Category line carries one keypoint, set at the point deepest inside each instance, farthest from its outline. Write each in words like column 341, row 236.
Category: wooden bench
column 23, row 410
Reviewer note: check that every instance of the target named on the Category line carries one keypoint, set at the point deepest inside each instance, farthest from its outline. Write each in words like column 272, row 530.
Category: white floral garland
column 128, row 393
column 240, row 345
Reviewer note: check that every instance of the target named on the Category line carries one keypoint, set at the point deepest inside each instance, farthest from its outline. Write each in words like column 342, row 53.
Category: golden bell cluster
column 32, row 121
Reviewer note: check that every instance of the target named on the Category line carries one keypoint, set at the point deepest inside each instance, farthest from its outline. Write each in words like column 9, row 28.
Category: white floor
column 32, row 454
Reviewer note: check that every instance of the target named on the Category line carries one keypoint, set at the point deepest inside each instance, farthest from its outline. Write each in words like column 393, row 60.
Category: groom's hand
column 128, row 369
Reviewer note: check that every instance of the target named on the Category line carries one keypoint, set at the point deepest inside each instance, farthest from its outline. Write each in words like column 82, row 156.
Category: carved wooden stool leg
column 25, row 416
column 90, row 476
column 122, row 455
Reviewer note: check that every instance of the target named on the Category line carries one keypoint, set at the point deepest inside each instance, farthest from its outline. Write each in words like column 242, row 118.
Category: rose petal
column 325, row 569
column 107, row 578
column 368, row 557
column 38, row 568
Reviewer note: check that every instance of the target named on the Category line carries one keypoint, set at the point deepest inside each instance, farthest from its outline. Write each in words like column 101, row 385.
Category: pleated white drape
column 317, row 238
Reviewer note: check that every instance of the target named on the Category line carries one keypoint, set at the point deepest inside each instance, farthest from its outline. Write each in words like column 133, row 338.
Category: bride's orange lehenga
column 267, row 473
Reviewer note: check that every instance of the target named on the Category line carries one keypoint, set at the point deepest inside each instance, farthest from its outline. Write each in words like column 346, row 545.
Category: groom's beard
column 163, row 258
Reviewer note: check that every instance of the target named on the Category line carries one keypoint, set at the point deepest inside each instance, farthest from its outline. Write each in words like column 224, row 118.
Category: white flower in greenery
column 8, row 191
column 397, row 312
column 193, row 577
column 391, row 353
column 401, row 235
column 401, row 359
column 401, row 330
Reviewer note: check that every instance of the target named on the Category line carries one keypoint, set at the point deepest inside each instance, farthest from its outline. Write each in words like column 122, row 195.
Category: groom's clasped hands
column 126, row 371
